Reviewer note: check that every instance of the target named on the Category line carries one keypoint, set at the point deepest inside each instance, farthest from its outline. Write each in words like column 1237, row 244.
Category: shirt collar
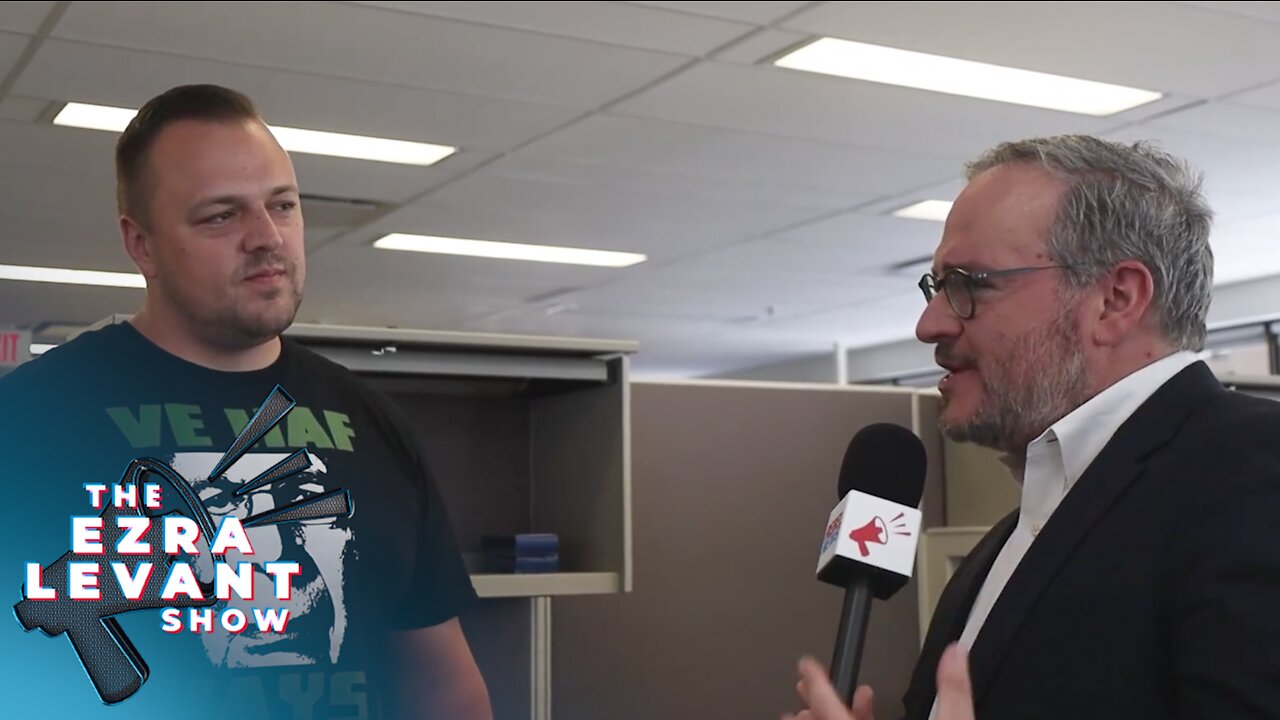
column 1083, row 432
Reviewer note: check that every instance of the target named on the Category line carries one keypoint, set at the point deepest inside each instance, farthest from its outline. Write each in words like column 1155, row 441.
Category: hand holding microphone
column 869, row 549
column 955, row 694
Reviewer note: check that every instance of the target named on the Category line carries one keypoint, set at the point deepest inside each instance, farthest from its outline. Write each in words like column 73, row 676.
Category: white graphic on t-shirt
column 317, row 610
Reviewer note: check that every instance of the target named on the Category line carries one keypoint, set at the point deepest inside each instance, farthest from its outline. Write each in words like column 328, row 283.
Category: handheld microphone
column 869, row 546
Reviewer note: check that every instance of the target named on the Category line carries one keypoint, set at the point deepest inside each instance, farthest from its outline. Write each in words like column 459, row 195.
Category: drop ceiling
column 761, row 196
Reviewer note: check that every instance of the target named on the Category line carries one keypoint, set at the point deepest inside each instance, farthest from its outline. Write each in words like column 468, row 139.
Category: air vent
column 339, row 212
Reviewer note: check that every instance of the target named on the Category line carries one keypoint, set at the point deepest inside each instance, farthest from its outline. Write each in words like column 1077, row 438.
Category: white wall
column 1235, row 304
column 812, row 369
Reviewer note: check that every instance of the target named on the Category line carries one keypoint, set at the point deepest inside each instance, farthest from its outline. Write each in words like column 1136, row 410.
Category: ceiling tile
column 21, row 109
column 24, row 17
column 386, row 182
column 628, row 142
column 1265, row 96
column 64, row 70
column 633, row 177
column 1227, row 120
column 745, row 284
column 760, row 12
column 1268, row 11
column 1240, row 179
column 90, row 152
column 1201, row 53
column 764, row 45
column 672, row 224
column 60, row 218
column 883, row 320
column 484, row 224
column 605, row 22
column 867, row 244
column 761, row 195
column 800, row 105
column 412, row 51
column 425, row 290
column 11, row 47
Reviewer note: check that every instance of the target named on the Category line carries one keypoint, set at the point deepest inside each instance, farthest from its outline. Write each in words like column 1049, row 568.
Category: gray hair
column 1126, row 202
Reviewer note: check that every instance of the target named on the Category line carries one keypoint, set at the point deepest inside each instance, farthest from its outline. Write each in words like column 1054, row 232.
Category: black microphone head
column 887, row 461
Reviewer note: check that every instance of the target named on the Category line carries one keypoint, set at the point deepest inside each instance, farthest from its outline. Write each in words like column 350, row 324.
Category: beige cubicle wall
column 731, row 487
column 979, row 488
column 977, row 491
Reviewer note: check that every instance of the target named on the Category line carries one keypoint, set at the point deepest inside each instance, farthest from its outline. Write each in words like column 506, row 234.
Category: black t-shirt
column 82, row 412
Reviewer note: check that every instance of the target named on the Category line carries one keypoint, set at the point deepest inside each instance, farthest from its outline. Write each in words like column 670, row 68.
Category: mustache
column 266, row 264
column 946, row 356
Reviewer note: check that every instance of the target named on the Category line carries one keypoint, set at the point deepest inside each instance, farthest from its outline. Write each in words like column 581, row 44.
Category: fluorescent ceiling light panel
column 935, row 210
column 314, row 142
column 72, row 277
column 876, row 63
column 94, row 117
column 509, row 251
column 41, row 348
column 360, row 147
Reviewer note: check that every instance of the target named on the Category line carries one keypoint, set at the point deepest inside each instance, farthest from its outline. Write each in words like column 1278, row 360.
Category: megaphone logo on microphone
column 877, row 532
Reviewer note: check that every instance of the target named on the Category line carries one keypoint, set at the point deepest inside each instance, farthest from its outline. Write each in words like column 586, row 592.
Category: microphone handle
column 849, row 638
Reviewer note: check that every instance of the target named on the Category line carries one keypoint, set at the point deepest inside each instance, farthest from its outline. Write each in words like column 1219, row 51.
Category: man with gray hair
column 1140, row 576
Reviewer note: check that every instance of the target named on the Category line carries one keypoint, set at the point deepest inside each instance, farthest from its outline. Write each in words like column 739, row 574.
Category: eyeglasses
column 960, row 285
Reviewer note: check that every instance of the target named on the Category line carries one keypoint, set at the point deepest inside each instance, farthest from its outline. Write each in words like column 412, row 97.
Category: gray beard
column 1042, row 380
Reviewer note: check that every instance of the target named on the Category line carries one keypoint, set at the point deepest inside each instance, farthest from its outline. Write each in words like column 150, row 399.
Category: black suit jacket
column 1154, row 589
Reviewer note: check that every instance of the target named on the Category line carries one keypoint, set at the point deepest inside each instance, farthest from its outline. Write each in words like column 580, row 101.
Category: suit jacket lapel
column 1149, row 428
column 952, row 612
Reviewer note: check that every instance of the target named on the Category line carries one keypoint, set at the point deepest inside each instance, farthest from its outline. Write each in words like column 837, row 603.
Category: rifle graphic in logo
column 113, row 664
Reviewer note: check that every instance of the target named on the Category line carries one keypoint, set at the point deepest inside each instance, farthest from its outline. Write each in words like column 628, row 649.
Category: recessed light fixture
column 938, row 73
column 41, row 348
column 314, row 142
column 505, row 250
column 72, row 277
column 935, row 210
column 94, row 117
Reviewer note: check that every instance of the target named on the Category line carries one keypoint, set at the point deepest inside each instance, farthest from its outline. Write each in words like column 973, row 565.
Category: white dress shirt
column 1054, row 463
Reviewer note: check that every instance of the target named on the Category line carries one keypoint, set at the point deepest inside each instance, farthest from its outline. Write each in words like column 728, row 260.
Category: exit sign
column 15, row 347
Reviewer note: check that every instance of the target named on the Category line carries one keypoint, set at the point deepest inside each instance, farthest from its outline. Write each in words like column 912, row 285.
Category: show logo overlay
column 156, row 545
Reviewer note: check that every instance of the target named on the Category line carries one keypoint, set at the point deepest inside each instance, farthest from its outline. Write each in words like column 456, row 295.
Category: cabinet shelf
column 546, row 584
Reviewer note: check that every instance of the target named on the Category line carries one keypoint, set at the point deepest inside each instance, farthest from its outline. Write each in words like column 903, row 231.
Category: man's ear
column 1128, row 291
column 137, row 242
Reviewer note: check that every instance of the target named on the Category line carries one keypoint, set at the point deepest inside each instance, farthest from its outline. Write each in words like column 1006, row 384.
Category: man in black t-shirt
column 321, row 471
